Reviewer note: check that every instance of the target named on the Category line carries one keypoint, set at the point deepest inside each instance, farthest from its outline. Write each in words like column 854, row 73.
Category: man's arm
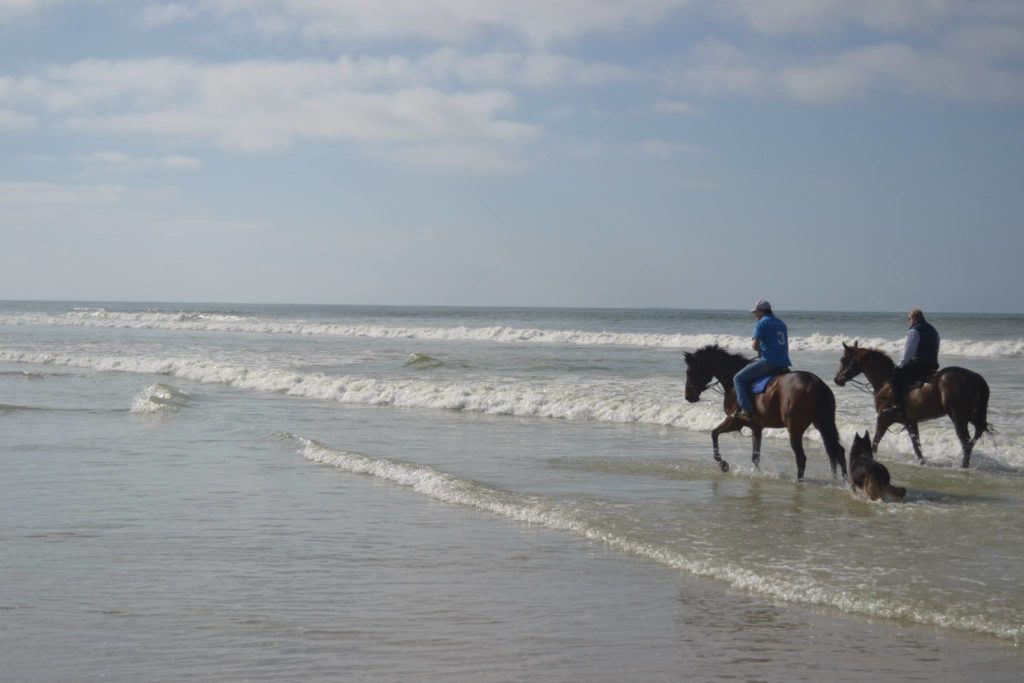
column 909, row 348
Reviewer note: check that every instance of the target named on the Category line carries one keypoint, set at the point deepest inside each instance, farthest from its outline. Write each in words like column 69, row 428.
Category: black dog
column 870, row 476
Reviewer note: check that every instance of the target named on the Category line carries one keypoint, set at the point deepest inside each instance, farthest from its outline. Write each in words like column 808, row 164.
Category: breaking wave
column 216, row 322
column 572, row 518
column 616, row 401
column 422, row 361
column 160, row 399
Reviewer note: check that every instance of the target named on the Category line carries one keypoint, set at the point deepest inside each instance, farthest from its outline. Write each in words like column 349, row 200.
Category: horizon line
column 743, row 310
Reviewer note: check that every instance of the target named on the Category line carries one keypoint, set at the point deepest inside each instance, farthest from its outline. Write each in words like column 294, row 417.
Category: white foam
column 158, row 399
column 619, row 401
column 542, row 512
column 196, row 321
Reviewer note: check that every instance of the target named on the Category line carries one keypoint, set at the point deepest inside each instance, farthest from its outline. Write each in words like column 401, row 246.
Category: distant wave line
column 209, row 322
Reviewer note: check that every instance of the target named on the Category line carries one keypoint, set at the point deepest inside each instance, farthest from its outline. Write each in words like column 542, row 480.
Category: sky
column 822, row 154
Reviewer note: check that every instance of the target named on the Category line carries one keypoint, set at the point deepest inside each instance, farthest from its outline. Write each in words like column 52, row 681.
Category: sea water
column 320, row 493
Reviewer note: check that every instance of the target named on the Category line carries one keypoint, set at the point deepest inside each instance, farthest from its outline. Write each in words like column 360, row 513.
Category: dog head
column 861, row 446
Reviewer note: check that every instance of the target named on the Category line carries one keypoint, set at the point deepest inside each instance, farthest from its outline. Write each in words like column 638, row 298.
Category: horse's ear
column 688, row 356
column 845, row 346
column 855, row 342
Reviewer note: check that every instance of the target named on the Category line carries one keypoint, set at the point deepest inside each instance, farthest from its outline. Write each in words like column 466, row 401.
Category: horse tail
column 825, row 423
column 979, row 416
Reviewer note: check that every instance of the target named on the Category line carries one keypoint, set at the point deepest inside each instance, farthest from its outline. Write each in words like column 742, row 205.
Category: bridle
column 714, row 384
column 848, row 377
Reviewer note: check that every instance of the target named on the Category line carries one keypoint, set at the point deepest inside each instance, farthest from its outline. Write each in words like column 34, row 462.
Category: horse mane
column 712, row 351
column 880, row 355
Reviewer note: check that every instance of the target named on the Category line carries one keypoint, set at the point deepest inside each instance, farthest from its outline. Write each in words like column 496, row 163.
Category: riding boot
column 895, row 408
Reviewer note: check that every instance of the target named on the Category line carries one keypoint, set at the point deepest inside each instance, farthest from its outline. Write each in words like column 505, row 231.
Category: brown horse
column 794, row 400
column 956, row 392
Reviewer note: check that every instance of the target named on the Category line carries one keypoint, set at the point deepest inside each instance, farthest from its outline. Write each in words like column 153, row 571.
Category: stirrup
column 894, row 411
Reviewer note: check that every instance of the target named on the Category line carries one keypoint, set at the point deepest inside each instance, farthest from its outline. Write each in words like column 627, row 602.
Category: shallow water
column 253, row 503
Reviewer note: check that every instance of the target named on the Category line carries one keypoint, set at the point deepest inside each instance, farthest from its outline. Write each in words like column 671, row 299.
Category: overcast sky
column 824, row 154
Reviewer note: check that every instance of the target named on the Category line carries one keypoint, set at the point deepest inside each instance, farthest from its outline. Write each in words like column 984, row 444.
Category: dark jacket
column 927, row 352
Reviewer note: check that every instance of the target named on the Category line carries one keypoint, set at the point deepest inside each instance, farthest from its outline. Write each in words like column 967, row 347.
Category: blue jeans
column 746, row 377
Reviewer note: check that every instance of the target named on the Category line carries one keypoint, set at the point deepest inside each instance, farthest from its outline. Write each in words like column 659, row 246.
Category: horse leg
column 882, row 424
column 915, row 440
column 796, row 440
column 960, row 423
column 756, row 456
column 728, row 425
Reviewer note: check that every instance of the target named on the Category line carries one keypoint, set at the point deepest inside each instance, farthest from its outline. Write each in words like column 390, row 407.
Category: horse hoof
column 724, row 465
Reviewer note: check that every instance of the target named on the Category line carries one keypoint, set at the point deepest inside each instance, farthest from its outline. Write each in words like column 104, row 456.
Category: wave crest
column 220, row 322
column 160, row 399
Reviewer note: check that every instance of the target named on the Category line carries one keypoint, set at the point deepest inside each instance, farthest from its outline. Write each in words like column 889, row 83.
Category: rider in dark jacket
column 920, row 357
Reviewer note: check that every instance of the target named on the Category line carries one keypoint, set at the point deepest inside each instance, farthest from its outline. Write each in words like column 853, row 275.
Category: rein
column 715, row 385
column 865, row 387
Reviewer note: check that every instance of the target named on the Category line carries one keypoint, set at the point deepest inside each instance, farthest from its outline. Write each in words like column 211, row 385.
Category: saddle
column 918, row 383
column 761, row 385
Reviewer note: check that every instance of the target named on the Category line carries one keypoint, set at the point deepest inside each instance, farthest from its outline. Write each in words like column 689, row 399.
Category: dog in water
column 869, row 475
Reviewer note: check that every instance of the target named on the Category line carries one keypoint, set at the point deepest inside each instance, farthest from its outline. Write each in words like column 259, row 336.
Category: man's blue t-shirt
column 774, row 340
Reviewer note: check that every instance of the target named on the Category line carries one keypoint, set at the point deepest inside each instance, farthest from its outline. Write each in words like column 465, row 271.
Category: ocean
column 222, row 492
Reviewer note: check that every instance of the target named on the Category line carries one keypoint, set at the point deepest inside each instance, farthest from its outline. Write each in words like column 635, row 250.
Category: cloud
column 164, row 14
column 12, row 120
column 455, row 157
column 986, row 42
column 15, row 196
column 255, row 106
column 648, row 149
column 673, row 107
column 16, row 8
column 102, row 208
column 780, row 17
column 714, row 68
column 538, row 22
column 901, row 68
column 123, row 162
column 530, row 70
column 257, row 124
column 58, row 207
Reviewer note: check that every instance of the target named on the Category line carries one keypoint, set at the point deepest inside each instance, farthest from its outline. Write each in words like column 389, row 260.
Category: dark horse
column 795, row 400
column 956, row 392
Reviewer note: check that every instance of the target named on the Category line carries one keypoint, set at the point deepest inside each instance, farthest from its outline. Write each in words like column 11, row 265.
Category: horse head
column 849, row 364
column 698, row 377
column 707, row 364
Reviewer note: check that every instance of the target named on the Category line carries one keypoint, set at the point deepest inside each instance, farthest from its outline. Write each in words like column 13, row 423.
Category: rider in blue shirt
column 771, row 341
